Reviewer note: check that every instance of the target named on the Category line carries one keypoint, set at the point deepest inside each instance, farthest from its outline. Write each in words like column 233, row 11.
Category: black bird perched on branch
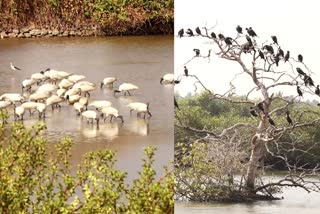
column 300, row 58
column 197, row 51
column 221, row 36
column 299, row 91
column 277, row 59
column 261, row 54
column 307, row 80
column 198, row 31
column 239, row 29
column 272, row 123
column 253, row 112
column 186, row 71
column 269, row 48
column 274, row 39
column 289, row 120
column 300, row 71
column 280, row 52
column 286, row 57
column 228, row 40
column 317, row 91
column 213, row 35
column 249, row 40
column 190, row 32
column 251, row 32
column 181, row 32
column 260, row 106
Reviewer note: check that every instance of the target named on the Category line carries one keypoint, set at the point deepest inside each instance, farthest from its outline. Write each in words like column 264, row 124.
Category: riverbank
column 65, row 18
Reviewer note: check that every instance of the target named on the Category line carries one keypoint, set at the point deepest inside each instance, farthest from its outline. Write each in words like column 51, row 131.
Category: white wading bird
column 140, row 108
column 126, row 88
column 108, row 81
column 14, row 67
column 112, row 112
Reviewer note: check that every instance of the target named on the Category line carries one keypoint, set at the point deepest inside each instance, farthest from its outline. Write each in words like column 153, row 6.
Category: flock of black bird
column 270, row 51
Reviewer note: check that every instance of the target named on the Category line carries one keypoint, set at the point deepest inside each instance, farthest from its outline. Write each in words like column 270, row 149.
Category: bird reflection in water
column 140, row 126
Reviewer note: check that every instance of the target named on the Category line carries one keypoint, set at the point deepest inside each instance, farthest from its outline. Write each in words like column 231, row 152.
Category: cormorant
column 260, row 106
column 299, row 91
column 198, row 31
column 221, row 36
column 280, row 52
column 190, row 32
column 181, row 32
column 253, row 112
column 317, row 91
column 228, row 40
column 249, row 40
column 197, row 51
column 251, row 32
column 269, row 48
column 186, row 71
column 299, row 70
column 239, row 29
column 261, row 54
column 213, row 35
column 272, row 123
column 289, row 120
column 310, row 81
column 300, row 58
column 274, row 39
column 277, row 59
column 286, row 57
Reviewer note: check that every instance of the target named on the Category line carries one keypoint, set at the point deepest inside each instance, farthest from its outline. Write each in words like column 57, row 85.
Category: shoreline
column 32, row 32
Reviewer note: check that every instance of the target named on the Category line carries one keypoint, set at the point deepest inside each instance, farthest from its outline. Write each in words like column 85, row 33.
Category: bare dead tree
column 260, row 62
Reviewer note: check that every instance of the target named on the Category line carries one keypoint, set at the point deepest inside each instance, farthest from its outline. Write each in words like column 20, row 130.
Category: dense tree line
column 114, row 17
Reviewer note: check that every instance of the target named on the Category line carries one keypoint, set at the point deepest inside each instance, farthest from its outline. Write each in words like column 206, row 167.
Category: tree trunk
column 257, row 146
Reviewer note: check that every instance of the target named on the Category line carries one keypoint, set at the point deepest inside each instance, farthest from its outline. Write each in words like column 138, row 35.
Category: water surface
column 138, row 60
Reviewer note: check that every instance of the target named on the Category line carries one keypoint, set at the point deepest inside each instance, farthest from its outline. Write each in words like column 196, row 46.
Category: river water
column 138, row 60
column 295, row 200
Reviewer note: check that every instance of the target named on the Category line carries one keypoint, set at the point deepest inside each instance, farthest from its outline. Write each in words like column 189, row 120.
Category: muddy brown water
column 138, row 60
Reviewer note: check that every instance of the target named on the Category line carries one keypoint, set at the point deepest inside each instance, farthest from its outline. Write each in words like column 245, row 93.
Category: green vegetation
column 31, row 180
column 214, row 169
column 114, row 17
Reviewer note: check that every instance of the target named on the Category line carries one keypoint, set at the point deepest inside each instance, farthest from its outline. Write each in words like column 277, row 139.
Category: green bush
column 31, row 180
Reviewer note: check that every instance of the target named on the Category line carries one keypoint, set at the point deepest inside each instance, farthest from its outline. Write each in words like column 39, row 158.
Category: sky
column 295, row 23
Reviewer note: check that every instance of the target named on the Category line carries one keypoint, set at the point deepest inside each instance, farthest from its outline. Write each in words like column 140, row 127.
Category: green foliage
column 31, row 180
column 214, row 170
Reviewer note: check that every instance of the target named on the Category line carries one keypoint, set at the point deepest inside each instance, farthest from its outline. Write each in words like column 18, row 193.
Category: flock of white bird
column 53, row 88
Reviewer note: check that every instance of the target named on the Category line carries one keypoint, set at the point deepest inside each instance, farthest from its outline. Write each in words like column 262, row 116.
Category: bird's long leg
column 111, row 118
column 131, row 111
column 149, row 114
column 129, row 93
column 144, row 116
column 52, row 107
column 29, row 112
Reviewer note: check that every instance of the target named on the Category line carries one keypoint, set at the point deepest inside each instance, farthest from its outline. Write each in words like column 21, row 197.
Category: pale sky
column 295, row 23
